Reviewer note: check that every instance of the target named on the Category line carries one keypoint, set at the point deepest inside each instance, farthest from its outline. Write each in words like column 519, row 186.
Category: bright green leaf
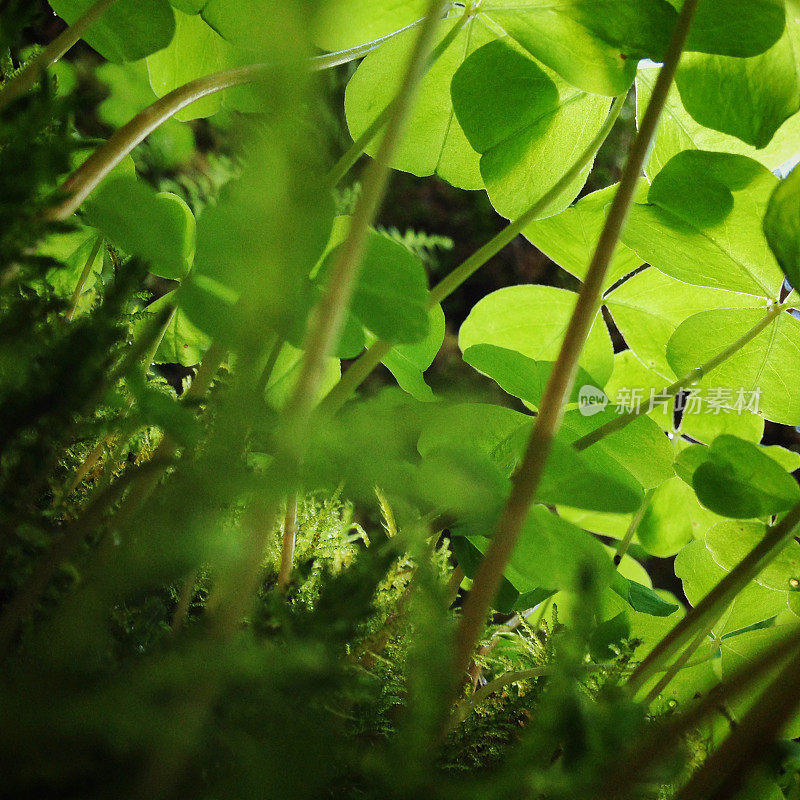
column 434, row 142
column 642, row 598
column 669, row 523
column 553, row 554
column 196, row 50
column 526, row 123
column 761, row 376
column 648, row 308
column 287, row 370
column 341, row 24
column 749, row 98
column 391, row 294
column 569, row 238
column 730, row 541
column 532, row 320
column 726, row 254
column 699, row 573
column 73, row 249
column 558, row 36
column 782, row 226
column 129, row 30
column 183, row 342
column 517, row 374
column 408, row 362
column 160, row 230
column 641, row 447
column 678, row 131
column 738, row 480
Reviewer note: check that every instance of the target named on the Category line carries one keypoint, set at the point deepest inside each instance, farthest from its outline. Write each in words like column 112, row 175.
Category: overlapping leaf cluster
column 698, row 307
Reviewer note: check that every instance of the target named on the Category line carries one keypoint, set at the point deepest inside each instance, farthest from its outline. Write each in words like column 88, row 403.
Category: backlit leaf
column 532, row 321
column 526, row 123
column 761, row 376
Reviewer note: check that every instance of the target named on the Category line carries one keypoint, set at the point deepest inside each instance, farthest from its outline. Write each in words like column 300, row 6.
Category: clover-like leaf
column 641, row 448
column 159, row 229
column 569, row 238
column 341, row 24
column 532, row 320
column 517, row 374
column 749, row 98
column 128, row 30
column 699, row 574
column 738, row 480
column 722, row 246
column 391, row 295
column 408, row 362
column 642, row 598
column 195, row 51
column 434, row 142
column 679, row 131
column 527, row 123
column 730, row 541
column 550, row 554
column 183, row 342
column 761, row 376
column 648, row 308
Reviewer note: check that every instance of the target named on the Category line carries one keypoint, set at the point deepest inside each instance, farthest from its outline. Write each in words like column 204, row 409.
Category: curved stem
column 623, row 420
column 97, row 167
column 34, row 70
column 706, row 613
column 364, row 365
column 91, row 173
column 235, row 596
column 562, row 378
column 356, row 150
column 329, row 315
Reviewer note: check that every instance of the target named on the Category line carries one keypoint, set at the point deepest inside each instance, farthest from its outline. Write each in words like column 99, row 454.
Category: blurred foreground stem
column 562, row 378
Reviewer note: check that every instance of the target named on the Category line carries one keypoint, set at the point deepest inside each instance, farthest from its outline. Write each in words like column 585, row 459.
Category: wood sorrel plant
column 203, row 592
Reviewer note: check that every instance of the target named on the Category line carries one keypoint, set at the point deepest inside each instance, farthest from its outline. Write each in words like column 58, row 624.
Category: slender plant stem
column 329, row 315
column 99, row 165
column 327, row 320
column 289, row 543
column 562, row 378
column 665, row 735
column 724, row 772
column 625, row 542
column 33, row 71
column 364, row 365
column 359, row 146
column 676, row 667
column 76, row 295
column 705, row 614
column 623, row 420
